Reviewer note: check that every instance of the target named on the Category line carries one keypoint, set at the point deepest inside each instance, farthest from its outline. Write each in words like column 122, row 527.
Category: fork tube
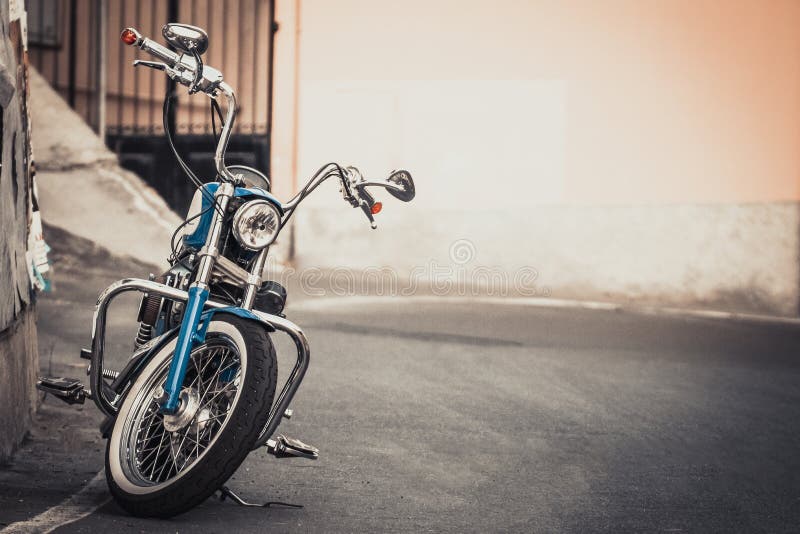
column 254, row 280
column 198, row 295
column 177, row 370
column 208, row 254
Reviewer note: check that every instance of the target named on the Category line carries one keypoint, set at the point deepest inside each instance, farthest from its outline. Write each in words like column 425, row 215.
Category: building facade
column 625, row 151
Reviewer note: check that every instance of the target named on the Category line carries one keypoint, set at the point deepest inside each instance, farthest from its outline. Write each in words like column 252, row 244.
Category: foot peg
column 68, row 390
column 283, row 447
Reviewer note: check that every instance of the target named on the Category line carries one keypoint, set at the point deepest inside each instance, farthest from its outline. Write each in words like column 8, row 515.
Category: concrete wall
column 18, row 350
column 19, row 367
column 626, row 150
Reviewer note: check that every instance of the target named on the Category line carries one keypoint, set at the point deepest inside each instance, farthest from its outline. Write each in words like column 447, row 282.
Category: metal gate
column 75, row 45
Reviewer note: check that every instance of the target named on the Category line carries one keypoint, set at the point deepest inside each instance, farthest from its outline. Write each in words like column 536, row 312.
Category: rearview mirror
column 189, row 39
column 406, row 184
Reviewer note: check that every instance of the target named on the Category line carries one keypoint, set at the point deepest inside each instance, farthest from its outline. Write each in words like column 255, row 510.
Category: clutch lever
column 367, row 209
column 368, row 204
column 354, row 191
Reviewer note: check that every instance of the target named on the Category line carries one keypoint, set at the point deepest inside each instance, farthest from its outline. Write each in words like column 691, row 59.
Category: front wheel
column 161, row 466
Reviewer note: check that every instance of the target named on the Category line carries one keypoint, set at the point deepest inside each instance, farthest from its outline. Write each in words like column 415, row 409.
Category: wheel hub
column 187, row 409
column 200, row 422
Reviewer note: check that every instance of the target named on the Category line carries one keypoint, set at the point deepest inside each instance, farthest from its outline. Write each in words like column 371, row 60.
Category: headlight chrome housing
column 256, row 224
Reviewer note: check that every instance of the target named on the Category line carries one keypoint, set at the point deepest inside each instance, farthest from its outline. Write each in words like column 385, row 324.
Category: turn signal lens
column 376, row 208
column 129, row 36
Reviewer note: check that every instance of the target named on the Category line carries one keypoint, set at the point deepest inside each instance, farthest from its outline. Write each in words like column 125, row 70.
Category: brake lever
column 152, row 64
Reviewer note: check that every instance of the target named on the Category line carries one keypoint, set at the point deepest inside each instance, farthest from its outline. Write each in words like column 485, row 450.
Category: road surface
column 463, row 417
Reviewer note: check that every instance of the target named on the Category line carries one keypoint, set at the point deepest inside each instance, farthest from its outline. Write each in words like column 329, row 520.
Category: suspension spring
column 143, row 335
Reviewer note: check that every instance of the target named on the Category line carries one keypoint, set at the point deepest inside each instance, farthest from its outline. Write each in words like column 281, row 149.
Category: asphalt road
column 472, row 418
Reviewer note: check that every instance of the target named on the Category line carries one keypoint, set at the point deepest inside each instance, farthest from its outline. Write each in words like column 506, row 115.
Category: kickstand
column 226, row 492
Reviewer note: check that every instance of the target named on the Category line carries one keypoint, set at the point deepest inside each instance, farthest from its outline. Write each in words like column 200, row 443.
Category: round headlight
column 256, row 224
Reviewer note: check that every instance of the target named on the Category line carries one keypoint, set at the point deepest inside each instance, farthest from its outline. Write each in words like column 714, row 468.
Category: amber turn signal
column 376, row 208
column 129, row 36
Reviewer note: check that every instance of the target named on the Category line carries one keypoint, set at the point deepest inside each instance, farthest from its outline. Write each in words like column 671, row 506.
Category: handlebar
column 132, row 37
column 354, row 189
column 180, row 67
column 183, row 69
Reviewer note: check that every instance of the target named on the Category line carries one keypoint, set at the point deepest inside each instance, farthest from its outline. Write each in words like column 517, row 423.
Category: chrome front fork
column 210, row 251
column 198, row 296
column 196, row 300
column 254, row 280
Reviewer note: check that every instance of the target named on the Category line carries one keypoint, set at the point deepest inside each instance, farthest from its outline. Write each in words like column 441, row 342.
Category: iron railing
column 75, row 45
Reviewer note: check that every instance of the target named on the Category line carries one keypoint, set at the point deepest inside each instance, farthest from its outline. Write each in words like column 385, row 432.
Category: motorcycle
column 198, row 393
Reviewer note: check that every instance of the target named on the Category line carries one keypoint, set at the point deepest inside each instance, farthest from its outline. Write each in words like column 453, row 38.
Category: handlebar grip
column 131, row 36
column 162, row 52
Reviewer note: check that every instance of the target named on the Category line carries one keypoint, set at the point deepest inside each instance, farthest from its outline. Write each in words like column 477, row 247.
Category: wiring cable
column 190, row 175
column 315, row 182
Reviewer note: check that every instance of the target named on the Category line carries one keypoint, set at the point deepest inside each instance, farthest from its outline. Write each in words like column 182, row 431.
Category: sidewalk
column 64, row 450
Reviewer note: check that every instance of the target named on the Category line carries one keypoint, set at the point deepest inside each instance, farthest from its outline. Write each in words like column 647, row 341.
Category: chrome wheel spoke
column 217, row 394
column 155, row 454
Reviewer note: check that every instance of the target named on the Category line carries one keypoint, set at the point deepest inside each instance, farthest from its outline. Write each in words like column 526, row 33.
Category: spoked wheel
column 162, row 465
column 160, row 447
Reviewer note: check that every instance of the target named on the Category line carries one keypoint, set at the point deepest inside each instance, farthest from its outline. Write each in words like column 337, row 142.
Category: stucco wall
column 730, row 257
column 626, row 150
